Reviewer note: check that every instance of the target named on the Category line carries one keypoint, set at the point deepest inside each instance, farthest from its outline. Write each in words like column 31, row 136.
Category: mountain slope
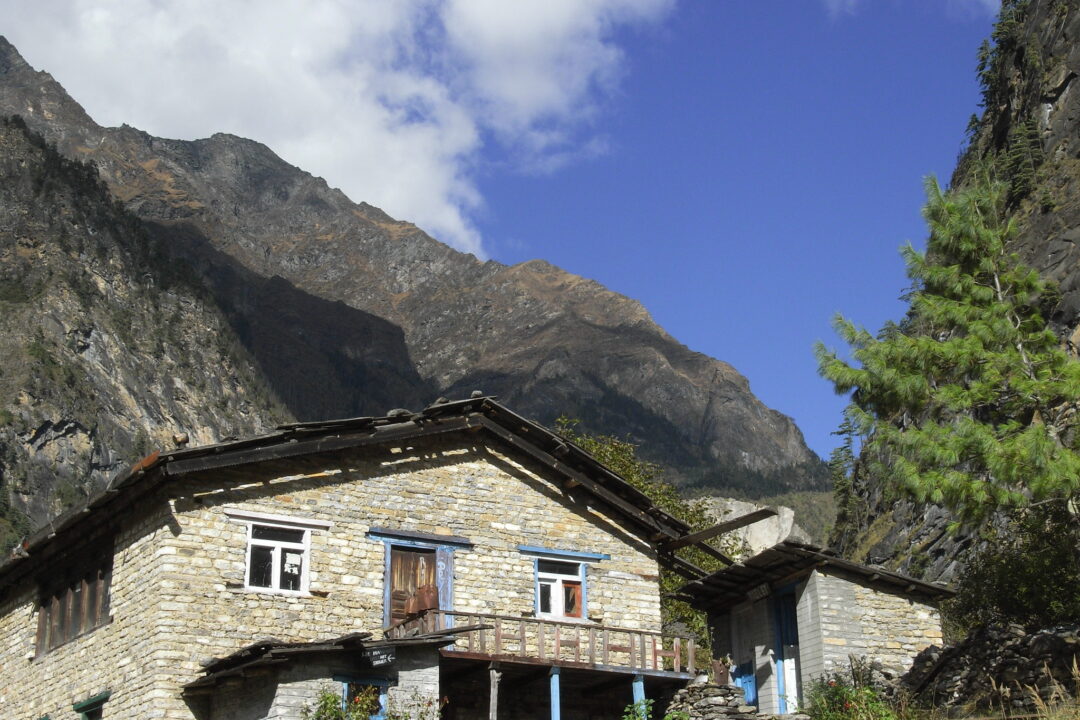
column 546, row 341
column 107, row 343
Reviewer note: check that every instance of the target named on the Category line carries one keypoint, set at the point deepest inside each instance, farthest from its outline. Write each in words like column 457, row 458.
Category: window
column 558, row 588
column 74, row 602
column 91, row 708
column 277, row 557
column 560, row 576
column 370, row 692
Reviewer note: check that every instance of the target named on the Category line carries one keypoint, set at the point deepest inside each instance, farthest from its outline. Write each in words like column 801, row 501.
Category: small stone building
column 460, row 553
column 795, row 612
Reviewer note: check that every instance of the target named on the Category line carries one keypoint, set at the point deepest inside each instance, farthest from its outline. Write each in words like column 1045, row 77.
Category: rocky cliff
column 1030, row 126
column 109, row 347
column 347, row 311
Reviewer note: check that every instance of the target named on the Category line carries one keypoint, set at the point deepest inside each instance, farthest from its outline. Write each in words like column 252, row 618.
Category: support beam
column 556, row 706
column 493, row 703
column 727, row 526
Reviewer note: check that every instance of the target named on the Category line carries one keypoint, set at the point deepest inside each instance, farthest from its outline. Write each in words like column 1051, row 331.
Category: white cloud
column 841, row 7
column 835, row 8
column 391, row 101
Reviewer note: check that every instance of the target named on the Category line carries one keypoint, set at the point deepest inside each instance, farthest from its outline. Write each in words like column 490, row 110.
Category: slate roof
column 298, row 447
column 790, row 560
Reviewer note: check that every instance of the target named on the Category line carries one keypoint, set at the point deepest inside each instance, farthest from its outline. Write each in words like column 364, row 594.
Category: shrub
column 1027, row 572
column 834, row 697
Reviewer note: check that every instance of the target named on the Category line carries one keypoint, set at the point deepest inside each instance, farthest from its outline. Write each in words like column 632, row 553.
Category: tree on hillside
column 971, row 401
column 621, row 457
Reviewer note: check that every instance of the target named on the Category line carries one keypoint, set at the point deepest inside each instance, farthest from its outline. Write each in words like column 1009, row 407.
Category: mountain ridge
column 546, row 341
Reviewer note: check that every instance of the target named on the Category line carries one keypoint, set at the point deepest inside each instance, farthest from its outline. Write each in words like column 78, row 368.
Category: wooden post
column 639, row 696
column 493, row 703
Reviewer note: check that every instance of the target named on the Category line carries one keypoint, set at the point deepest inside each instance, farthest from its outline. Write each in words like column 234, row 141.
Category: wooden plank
column 540, row 642
column 676, row 645
column 606, row 645
column 498, row 637
column 521, row 638
column 691, row 660
column 558, row 643
column 592, row 646
column 641, row 642
column 726, row 526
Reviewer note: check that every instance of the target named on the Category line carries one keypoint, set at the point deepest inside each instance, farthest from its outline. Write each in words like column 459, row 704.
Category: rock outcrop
column 110, row 349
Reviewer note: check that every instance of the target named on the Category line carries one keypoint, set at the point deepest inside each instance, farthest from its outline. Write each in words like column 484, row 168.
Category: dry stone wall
column 999, row 667
column 178, row 588
column 864, row 622
column 120, row 656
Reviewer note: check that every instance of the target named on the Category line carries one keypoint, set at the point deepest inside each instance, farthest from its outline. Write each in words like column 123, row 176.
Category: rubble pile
column 707, row 701
column 998, row 667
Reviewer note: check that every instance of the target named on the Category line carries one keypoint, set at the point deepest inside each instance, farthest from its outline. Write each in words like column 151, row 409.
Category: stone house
column 795, row 612
column 460, row 554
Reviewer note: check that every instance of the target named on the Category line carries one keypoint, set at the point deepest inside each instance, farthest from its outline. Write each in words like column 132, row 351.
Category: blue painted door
column 744, row 678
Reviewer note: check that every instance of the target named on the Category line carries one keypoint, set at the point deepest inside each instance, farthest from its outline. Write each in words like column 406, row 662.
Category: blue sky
column 744, row 168
column 763, row 169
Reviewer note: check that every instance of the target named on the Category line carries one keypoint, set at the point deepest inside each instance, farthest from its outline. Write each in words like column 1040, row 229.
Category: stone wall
column 190, row 605
column 707, row 701
column 999, row 667
column 119, row 656
column 837, row 618
column 864, row 622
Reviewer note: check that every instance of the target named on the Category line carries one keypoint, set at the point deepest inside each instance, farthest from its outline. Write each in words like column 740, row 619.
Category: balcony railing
column 553, row 641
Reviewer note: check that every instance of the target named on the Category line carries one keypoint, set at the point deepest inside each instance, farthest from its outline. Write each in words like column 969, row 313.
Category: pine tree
column 971, row 401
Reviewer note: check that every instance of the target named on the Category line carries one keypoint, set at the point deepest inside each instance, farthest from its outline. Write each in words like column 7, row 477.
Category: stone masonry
column 178, row 596
column 861, row 621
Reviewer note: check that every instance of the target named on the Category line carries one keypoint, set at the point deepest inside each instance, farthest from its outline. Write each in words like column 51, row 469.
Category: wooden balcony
column 543, row 641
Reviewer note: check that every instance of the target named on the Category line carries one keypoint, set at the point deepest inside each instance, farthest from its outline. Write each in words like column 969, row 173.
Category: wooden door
column 410, row 568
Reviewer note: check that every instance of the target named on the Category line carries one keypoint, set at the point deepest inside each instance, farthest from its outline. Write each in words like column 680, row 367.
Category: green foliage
column 643, row 710
column 835, row 697
column 1023, row 156
column 621, row 457
column 1027, row 573
column 971, row 403
column 329, row 706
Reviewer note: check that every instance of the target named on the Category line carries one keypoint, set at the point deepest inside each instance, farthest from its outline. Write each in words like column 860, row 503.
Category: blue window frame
column 350, row 686
column 443, row 546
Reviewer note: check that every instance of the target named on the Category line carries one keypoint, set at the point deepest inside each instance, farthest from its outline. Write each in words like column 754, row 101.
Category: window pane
column 545, row 597
column 266, row 532
column 571, row 599
column 554, row 567
column 262, row 566
column 292, row 562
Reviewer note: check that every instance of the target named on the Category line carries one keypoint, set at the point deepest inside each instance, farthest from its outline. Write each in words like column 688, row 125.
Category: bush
column 1027, row 572
column 834, row 697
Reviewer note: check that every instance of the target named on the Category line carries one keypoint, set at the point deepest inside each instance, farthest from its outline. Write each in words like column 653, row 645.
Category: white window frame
column 252, row 520
column 557, row 596
column 571, row 557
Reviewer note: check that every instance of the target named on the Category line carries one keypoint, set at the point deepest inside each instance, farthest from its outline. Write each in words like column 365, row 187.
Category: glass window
column 559, row 589
column 277, row 558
